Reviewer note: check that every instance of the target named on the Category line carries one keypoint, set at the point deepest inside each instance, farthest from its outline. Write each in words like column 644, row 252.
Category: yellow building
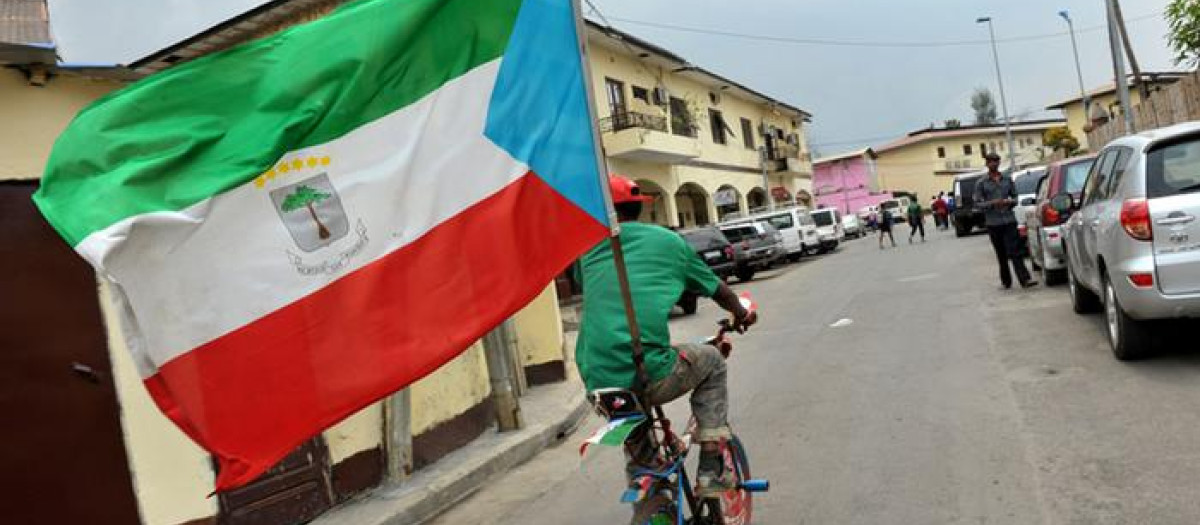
column 1104, row 98
column 691, row 138
column 925, row 161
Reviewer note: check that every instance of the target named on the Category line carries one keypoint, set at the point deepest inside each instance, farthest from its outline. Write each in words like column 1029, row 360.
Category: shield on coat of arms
column 312, row 212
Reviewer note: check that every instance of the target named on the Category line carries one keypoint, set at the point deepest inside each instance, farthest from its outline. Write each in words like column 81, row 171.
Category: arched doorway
column 654, row 212
column 803, row 198
column 728, row 200
column 692, row 202
column 756, row 199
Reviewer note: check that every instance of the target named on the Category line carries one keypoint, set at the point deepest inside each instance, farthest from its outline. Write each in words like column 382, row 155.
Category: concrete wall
column 31, row 118
column 539, row 330
column 172, row 477
column 453, row 389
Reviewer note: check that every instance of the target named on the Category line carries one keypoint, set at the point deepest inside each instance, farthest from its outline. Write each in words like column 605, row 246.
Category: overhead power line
column 863, row 43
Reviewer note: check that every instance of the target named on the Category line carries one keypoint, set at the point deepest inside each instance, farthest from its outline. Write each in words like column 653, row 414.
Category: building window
column 641, row 93
column 983, row 149
column 966, row 149
column 941, row 152
column 1002, row 146
column 748, row 133
column 716, row 122
column 616, row 96
column 681, row 118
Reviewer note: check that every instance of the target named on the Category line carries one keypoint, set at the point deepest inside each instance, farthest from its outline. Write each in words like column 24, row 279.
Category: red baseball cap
column 625, row 190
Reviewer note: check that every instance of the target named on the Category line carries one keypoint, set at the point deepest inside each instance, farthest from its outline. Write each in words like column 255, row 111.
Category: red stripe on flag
column 255, row 394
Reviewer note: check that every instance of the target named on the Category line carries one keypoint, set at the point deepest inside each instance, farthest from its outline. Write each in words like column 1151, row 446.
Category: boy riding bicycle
column 660, row 266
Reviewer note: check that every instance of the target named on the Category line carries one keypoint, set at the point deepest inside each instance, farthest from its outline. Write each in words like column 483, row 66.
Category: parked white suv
column 1133, row 246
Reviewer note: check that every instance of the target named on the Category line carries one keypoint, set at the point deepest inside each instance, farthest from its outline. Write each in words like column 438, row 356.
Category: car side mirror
column 1062, row 203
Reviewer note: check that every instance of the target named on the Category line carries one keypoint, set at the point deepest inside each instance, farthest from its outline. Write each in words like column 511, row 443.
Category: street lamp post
column 1012, row 151
column 1087, row 102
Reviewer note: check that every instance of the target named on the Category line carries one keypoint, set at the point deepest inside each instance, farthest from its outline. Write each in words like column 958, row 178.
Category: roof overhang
column 26, row 54
column 252, row 24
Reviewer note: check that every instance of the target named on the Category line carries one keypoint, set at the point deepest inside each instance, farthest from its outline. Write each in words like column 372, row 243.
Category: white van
column 797, row 228
column 829, row 228
column 898, row 206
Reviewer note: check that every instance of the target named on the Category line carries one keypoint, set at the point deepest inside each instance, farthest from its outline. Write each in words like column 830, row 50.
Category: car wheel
column 1083, row 301
column 688, row 302
column 745, row 274
column 960, row 231
column 1128, row 336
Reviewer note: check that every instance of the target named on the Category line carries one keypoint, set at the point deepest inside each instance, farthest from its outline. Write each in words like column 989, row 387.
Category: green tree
column 305, row 197
column 1060, row 138
column 1183, row 22
column 984, row 106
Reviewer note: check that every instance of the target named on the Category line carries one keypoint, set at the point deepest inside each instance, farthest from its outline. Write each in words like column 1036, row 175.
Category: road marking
column 842, row 322
column 922, row 277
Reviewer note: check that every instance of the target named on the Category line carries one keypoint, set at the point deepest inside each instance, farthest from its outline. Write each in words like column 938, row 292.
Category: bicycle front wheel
column 737, row 504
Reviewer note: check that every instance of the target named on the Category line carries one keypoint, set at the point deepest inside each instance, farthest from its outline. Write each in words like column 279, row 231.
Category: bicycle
column 662, row 491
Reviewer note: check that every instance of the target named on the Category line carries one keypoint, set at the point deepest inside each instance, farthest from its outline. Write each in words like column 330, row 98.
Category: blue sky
column 859, row 95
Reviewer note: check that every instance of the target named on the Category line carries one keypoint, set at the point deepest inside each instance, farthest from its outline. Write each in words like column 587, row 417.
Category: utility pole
column 1012, row 150
column 1119, row 67
column 762, row 161
column 1138, row 83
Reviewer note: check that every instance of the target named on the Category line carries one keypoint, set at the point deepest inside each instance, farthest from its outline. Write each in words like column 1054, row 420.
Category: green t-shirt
column 661, row 265
column 914, row 209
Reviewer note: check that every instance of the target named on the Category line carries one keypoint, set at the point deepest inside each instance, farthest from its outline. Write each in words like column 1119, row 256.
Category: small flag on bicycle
column 614, row 433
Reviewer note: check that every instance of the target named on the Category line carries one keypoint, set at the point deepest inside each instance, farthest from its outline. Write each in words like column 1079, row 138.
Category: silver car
column 1133, row 246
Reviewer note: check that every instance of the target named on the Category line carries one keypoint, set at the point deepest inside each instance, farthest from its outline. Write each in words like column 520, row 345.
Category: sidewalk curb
column 458, row 475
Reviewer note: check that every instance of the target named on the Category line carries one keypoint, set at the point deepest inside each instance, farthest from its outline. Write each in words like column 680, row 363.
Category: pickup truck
column 758, row 246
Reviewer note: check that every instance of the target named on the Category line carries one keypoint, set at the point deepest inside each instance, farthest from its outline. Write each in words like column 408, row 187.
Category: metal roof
column 851, row 154
column 24, row 22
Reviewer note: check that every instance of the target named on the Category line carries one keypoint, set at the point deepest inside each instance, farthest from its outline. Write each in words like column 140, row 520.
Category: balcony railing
column 632, row 119
column 785, row 151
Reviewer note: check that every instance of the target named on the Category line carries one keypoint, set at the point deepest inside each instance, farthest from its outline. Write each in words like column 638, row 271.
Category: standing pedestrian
column 885, row 226
column 916, row 220
column 940, row 213
column 997, row 195
column 950, row 205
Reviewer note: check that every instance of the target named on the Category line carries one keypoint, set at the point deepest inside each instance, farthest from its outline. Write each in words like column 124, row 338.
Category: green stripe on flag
column 194, row 131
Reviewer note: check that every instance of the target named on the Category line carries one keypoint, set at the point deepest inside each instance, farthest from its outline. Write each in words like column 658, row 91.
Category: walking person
column 916, row 220
column 885, row 227
column 997, row 195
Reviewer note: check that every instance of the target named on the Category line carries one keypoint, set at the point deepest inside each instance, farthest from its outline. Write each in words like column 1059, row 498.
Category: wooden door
column 64, row 453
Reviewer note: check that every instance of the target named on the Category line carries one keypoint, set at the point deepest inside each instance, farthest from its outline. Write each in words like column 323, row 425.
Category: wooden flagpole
column 614, row 239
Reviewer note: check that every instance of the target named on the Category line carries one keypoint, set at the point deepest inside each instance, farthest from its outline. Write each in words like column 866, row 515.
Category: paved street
column 945, row 401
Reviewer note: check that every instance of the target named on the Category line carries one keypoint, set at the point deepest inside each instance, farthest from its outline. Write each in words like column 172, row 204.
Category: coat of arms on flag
column 282, row 223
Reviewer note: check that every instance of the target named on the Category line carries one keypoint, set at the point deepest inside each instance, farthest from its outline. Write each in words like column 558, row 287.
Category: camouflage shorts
column 700, row 370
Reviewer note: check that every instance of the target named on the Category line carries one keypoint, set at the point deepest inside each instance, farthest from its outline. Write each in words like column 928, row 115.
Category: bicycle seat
column 616, row 403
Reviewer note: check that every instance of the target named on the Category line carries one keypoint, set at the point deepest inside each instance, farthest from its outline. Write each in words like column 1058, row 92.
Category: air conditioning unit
column 660, row 96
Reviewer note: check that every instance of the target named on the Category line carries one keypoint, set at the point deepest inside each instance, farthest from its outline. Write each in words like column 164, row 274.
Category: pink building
column 847, row 182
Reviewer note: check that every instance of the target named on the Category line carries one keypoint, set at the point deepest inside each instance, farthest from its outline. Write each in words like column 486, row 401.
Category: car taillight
column 729, row 252
column 1050, row 216
column 1142, row 280
column 1135, row 218
column 1024, row 231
